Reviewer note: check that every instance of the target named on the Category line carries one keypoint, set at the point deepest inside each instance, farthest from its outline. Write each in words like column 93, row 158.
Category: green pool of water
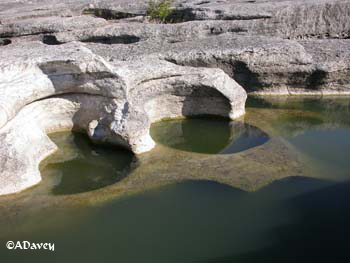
column 208, row 135
column 80, row 166
column 319, row 128
column 296, row 219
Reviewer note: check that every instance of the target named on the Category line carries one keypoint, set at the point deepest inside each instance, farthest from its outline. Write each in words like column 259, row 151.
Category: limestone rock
column 262, row 65
column 69, row 87
column 48, row 25
column 213, row 34
column 104, row 68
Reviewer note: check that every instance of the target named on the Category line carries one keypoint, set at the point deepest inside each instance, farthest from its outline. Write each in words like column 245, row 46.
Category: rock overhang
column 70, row 87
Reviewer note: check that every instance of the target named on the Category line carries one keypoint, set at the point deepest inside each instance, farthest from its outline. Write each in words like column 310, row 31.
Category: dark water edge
column 296, row 219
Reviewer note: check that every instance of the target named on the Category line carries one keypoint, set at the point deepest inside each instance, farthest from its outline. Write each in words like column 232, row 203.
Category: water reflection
column 79, row 166
column 298, row 212
column 319, row 232
column 208, row 135
column 318, row 128
column 294, row 220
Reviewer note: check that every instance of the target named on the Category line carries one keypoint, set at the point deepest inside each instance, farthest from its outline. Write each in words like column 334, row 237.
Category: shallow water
column 80, row 166
column 296, row 219
column 318, row 128
column 208, row 135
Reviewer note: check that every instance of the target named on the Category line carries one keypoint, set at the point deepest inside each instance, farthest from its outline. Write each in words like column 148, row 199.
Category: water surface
column 296, row 219
column 319, row 128
column 208, row 135
column 80, row 166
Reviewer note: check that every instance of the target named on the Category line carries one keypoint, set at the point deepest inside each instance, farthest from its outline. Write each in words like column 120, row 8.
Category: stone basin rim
column 60, row 94
column 238, row 122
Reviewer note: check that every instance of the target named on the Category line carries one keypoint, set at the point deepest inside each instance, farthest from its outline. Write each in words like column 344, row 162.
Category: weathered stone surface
column 287, row 19
column 148, row 31
column 235, row 21
column 262, row 65
column 73, row 68
column 48, row 25
column 271, row 65
column 132, row 71
column 332, row 65
column 118, row 102
column 19, row 159
column 292, row 19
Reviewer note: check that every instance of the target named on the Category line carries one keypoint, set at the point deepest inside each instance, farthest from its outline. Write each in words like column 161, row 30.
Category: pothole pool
column 294, row 219
column 80, row 166
column 208, row 135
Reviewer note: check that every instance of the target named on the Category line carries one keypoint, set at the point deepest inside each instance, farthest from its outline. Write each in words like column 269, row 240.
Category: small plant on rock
column 159, row 10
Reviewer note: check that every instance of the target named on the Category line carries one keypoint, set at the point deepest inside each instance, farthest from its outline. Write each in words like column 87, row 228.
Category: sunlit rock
column 113, row 103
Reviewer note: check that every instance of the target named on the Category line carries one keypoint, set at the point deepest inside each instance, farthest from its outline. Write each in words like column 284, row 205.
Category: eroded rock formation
column 104, row 68
column 69, row 87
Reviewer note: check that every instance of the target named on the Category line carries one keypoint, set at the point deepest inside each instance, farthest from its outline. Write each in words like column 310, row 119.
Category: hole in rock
column 208, row 134
column 122, row 39
column 50, row 40
column 181, row 15
column 202, row 3
column 316, row 79
column 218, row 30
column 109, row 14
column 5, row 42
column 81, row 166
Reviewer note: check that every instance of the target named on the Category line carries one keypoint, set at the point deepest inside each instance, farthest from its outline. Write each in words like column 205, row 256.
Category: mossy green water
column 294, row 219
column 208, row 135
column 79, row 166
